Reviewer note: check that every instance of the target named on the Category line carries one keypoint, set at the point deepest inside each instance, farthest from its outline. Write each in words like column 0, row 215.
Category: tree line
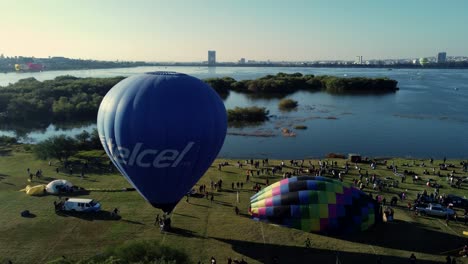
column 71, row 99
column 63, row 147
column 65, row 98
column 7, row 64
column 283, row 84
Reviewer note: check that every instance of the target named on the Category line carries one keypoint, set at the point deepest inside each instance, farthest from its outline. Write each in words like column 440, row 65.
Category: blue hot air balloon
column 162, row 130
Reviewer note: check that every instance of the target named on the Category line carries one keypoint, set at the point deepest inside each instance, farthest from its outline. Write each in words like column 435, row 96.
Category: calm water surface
column 428, row 116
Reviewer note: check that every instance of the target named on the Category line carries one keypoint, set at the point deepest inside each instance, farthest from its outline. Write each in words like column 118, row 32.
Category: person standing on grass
column 307, row 243
column 412, row 259
column 466, row 215
column 156, row 221
column 448, row 260
column 212, row 197
column 115, row 212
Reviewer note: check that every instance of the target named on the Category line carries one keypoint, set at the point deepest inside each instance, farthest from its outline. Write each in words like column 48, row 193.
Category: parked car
column 435, row 210
column 81, row 205
column 456, row 201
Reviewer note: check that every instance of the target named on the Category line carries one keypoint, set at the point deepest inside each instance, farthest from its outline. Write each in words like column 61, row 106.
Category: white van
column 81, row 205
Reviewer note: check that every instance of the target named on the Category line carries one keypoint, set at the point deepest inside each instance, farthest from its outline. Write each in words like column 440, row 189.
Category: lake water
column 427, row 117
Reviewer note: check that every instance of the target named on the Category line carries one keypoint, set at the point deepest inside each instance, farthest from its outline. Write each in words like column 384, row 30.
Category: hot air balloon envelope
column 162, row 131
column 315, row 204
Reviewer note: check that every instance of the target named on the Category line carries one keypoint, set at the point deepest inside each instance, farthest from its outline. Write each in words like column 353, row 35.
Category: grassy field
column 204, row 229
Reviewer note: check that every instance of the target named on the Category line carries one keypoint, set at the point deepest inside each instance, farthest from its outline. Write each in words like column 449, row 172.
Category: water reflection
column 30, row 135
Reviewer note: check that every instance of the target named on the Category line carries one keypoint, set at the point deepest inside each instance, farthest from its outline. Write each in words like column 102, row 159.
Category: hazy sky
column 255, row 29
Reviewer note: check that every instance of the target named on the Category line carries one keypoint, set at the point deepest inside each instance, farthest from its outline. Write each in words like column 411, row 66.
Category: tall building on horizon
column 212, row 57
column 442, row 57
column 358, row 60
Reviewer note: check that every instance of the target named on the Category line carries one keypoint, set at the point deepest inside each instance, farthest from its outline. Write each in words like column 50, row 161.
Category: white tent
column 54, row 187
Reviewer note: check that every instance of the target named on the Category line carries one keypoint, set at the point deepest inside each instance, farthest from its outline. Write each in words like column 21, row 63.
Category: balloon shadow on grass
column 266, row 253
column 90, row 216
column 409, row 236
column 132, row 222
column 201, row 205
column 190, row 216
column 183, row 232
column 223, row 203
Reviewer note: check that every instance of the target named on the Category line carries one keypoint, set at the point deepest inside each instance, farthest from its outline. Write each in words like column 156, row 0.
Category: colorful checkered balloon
column 315, row 204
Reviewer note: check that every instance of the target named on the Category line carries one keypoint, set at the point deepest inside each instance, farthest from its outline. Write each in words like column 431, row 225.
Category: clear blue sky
column 183, row 30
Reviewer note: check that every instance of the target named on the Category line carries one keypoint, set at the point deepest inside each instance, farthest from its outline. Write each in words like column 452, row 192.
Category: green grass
column 202, row 229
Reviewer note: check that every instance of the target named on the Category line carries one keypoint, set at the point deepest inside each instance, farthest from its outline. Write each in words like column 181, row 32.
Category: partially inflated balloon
column 162, row 130
column 315, row 204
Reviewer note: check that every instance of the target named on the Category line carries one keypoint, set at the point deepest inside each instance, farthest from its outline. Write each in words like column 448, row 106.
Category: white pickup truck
column 435, row 210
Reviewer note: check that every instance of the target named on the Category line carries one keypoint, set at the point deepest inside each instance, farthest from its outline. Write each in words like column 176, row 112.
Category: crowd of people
column 367, row 181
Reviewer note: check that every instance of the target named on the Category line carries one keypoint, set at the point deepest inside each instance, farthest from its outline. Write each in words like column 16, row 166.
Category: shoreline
column 311, row 66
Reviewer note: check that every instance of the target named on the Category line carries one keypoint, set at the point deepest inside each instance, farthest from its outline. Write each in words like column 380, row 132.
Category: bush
column 287, row 104
column 220, row 85
column 300, row 127
column 141, row 252
column 247, row 114
column 57, row 147
column 336, row 156
column 8, row 140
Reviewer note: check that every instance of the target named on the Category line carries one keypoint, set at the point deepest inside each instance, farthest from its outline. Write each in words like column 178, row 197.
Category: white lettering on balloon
column 147, row 157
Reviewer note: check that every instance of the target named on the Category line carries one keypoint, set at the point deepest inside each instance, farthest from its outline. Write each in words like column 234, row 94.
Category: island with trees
column 72, row 99
column 247, row 114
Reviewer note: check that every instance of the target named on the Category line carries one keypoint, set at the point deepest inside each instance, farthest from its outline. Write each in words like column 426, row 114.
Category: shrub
column 7, row 140
column 141, row 252
column 300, row 127
column 247, row 114
column 287, row 104
column 336, row 156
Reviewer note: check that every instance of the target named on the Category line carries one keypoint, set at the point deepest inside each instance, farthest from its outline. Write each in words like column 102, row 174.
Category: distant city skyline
column 301, row 30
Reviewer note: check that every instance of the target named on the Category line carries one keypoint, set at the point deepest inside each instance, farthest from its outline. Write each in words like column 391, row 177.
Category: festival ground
column 203, row 228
